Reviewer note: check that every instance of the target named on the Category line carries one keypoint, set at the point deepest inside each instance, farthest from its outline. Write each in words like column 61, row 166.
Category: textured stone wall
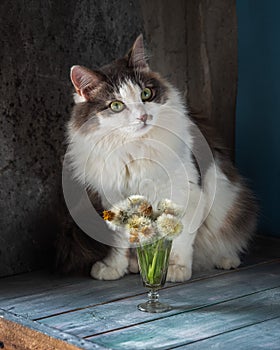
column 40, row 40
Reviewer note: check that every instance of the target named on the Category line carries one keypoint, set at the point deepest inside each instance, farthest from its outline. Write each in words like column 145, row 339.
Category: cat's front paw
column 228, row 263
column 178, row 273
column 101, row 271
column 133, row 265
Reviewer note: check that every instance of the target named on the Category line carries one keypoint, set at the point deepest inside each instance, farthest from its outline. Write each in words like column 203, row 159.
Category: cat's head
column 124, row 96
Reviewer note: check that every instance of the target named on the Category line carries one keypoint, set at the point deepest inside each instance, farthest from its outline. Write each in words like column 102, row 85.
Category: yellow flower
column 108, row 215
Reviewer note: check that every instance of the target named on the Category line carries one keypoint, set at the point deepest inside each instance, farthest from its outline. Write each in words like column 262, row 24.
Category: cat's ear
column 84, row 80
column 136, row 55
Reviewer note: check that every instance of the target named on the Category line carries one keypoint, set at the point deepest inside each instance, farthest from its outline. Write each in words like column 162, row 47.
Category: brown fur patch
column 75, row 250
column 240, row 222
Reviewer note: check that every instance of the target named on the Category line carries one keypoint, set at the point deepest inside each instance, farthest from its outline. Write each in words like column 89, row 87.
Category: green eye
column 116, row 106
column 146, row 94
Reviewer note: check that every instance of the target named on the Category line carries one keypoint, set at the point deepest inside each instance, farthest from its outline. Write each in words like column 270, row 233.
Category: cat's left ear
column 136, row 55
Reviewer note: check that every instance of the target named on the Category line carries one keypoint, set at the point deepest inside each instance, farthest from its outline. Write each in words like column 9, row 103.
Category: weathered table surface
column 237, row 309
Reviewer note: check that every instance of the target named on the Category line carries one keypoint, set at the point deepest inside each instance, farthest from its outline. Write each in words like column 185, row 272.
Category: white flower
column 136, row 200
column 136, row 215
column 138, row 205
column 169, row 226
column 147, row 234
column 141, row 229
column 136, row 221
column 168, row 207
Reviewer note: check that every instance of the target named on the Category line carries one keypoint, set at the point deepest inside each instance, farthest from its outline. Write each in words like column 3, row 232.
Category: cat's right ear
column 84, row 81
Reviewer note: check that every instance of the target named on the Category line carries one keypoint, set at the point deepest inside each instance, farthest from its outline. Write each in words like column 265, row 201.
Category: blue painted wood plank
column 263, row 335
column 40, row 281
column 188, row 327
column 35, row 282
column 67, row 297
column 184, row 297
column 42, row 298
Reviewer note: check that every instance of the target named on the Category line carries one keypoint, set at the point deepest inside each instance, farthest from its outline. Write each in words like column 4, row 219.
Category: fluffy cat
column 131, row 133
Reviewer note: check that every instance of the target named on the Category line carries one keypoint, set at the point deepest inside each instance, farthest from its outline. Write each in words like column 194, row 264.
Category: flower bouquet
column 151, row 231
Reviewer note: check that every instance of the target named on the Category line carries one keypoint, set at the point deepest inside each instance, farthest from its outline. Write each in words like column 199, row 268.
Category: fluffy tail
column 76, row 251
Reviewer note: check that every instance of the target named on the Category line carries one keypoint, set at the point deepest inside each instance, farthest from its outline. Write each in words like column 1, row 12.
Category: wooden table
column 237, row 309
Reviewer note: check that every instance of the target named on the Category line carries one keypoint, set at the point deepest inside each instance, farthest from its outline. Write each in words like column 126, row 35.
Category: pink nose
column 143, row 118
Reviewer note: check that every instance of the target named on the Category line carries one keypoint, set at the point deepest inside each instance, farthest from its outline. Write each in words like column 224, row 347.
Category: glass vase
column 153, row 259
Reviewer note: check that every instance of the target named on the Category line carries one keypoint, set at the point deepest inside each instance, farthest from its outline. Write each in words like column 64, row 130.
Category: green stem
column 153, row 260
column 151, row 273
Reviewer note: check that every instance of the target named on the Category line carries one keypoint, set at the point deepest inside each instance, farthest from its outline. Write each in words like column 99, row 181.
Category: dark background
column 40, row 41
column 258, row 105
column 193, row 43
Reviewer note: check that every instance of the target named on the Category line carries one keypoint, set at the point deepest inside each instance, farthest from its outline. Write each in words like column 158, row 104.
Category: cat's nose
column 143, row 118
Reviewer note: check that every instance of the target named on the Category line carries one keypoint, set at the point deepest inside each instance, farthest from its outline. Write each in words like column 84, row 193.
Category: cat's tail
column 75, row 251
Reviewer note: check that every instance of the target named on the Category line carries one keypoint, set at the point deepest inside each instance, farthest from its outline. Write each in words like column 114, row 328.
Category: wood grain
column 199, row 324
column 35, row 282
column 263, row 335
column 183, row 298
column 38, row 282
column 213, row 304
column 36, row 296
column 57, row 300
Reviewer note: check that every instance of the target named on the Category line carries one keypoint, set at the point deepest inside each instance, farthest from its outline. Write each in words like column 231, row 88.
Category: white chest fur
column 153, row 169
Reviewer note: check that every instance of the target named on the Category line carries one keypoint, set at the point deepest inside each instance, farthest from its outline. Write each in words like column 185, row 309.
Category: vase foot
column 154, row 307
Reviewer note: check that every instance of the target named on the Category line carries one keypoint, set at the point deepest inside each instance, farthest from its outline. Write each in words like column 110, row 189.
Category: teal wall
column 258, row 105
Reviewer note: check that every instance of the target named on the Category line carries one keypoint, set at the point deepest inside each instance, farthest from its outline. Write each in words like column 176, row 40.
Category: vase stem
column 153, row 296
column 153, row 305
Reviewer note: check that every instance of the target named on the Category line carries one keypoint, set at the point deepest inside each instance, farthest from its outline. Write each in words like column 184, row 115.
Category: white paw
column 133, row 265
column 228, row 263
column 101, row 271
column 178, row 273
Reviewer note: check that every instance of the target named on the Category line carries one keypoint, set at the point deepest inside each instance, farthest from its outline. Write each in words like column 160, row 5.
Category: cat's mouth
column 144, row 125
column 138, row 128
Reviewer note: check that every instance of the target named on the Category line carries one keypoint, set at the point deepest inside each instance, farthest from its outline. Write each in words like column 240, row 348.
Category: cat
column 131, row 133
